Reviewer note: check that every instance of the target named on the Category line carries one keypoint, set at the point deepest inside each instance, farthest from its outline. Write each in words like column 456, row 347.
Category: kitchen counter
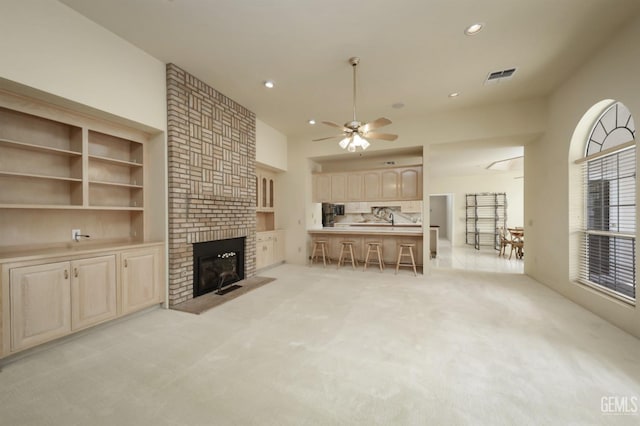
column 370, row 230
column 382, row 224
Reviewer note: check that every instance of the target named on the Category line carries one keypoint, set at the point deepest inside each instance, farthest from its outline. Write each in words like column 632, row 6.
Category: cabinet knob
column 75, row 272
column 125, row 263
column 66, row 274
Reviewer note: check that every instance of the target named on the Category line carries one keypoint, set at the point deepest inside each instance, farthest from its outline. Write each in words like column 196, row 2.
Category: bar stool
column 402, row 254
column 374, row 246
column 320, row 246
column 347, row 249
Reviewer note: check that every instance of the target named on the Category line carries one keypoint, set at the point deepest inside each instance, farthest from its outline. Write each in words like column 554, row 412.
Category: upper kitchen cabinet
column 322, row 188
column 390, row 180
column 338, row 187
column 393, row 184
column 371, row 181
column 354, row 187
column 411, row 183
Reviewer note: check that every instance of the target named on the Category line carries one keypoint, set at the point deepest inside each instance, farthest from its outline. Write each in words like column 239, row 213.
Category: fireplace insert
column 217, row 264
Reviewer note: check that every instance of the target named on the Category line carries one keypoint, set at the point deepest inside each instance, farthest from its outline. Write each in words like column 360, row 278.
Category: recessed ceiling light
column 473, row 29
column 269, row 84
column 454, row 95
column 312, row 121
column 398, row 105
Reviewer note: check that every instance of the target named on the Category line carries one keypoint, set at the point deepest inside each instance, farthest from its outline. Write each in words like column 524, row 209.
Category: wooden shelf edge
column 123, row 185
column 121, row 208
column 34, row 176
column 67, row 207
column 114, row 161
column 43, row 148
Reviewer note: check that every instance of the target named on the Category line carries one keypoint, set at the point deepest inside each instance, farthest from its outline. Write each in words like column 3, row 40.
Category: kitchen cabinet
column 393, row 184
column 390, row 185
column 265, row 190
column 322, row 188
column 354, row 187
column 264, row 249
column 338, row 188
column 270, row 248
column 40, row 300
column 411, row 183
column 93, row 291
column 140, row 284
column 371, row 183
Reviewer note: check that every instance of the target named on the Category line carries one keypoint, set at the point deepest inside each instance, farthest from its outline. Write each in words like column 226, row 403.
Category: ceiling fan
column 354, row 133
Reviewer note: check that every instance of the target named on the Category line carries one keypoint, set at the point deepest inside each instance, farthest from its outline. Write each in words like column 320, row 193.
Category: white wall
column 459, row 186
column 271, row 146
column 611, row 73
column 49, row 47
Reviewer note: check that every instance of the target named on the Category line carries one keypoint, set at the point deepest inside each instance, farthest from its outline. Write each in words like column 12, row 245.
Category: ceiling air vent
column 496, row 77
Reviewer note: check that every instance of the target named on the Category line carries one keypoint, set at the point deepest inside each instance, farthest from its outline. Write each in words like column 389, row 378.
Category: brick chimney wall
column 212, row 187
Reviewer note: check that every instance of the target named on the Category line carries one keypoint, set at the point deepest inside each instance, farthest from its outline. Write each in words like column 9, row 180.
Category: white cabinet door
column 40, row 304
column 93, row 291
column 140, row 286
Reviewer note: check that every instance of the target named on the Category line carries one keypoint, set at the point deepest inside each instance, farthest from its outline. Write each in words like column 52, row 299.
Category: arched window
column 608, row 256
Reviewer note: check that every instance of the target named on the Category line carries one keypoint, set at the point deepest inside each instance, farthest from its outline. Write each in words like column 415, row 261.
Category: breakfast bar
column 390, row 238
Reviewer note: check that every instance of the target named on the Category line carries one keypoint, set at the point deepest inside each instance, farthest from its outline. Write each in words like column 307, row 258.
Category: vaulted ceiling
column 412, row 52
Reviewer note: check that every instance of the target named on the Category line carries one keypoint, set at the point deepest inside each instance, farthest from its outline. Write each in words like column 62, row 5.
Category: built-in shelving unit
column 51, row 164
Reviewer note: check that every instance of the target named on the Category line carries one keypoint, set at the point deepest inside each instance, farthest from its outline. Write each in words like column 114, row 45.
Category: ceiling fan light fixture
column 353, row 133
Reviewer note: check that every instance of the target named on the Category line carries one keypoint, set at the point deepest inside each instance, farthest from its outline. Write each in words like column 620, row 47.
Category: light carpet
column 326, row 347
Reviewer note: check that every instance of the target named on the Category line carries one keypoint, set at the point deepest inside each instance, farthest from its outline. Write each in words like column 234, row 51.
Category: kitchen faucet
column 392, row 219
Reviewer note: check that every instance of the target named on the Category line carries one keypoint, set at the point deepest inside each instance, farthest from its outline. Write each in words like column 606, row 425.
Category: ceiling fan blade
column 380, row 122
column 330, row 137
column 337, row 126
column 383, row 136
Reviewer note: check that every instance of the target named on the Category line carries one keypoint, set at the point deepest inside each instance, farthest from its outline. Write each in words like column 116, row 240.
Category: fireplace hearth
column 217, row 265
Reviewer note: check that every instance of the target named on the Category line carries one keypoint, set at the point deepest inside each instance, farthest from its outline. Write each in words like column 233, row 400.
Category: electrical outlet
column 75, row 234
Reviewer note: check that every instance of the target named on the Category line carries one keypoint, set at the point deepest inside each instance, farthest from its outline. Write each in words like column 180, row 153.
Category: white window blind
column 607, row 258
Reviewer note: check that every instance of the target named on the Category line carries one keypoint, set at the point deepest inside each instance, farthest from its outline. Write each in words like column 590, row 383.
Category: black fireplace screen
column 217, row 264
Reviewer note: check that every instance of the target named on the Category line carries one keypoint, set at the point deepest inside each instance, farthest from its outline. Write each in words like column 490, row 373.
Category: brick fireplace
column 211, row 152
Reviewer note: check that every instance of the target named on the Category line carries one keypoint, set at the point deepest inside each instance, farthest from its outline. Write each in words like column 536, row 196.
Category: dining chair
column 504, row 241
